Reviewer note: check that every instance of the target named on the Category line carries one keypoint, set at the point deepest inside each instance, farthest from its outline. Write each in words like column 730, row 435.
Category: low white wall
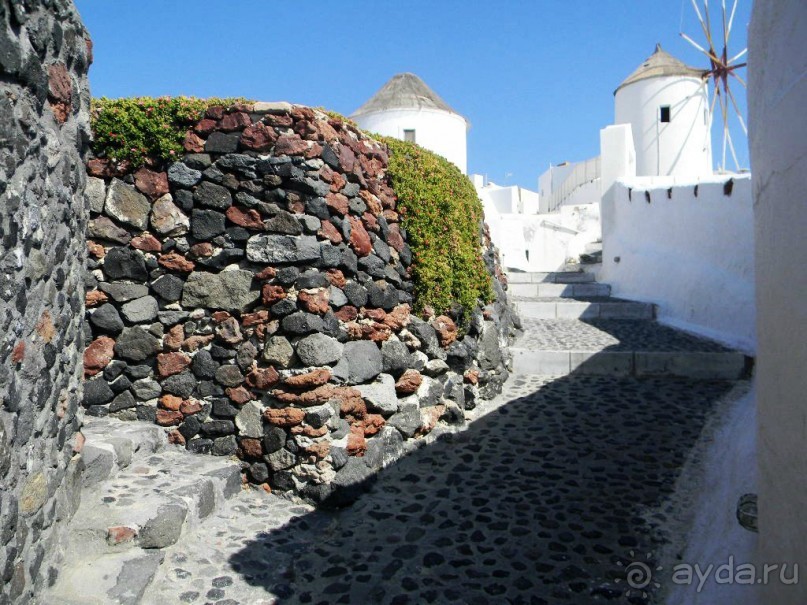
column 691, row 255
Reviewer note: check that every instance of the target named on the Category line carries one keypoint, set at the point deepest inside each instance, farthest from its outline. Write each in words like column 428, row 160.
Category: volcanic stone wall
column 44, row 131
column 254, row 298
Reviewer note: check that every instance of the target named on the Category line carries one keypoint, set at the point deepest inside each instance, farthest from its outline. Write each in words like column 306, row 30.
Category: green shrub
column 141, row 128
column 441, row 213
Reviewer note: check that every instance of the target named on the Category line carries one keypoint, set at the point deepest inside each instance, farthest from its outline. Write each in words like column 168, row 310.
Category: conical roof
column 404, row 91
column 659, row 64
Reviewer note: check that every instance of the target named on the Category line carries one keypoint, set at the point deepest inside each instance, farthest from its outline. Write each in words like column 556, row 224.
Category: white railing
column 583, row 173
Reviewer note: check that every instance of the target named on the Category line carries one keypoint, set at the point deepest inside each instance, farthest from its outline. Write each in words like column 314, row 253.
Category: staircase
column 139, row 496
column 573, row 325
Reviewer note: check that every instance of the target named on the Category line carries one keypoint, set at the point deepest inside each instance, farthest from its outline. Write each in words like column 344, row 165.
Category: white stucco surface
column 691, row 255
column 778, row 137
column 439, row 131
column 681, row 147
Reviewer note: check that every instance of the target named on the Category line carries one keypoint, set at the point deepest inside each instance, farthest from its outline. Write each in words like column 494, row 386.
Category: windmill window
column 665, row 113
column 409, row 135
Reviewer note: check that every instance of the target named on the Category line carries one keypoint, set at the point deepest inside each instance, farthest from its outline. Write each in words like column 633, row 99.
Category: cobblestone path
column 546, row 497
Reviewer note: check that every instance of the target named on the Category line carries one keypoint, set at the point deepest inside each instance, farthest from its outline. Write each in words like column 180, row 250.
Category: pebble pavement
column 546, row 497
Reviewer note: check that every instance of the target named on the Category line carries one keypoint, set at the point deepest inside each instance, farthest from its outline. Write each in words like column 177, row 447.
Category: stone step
column 559, row 277
column 550, row 290
column 559, row 347
column 582, row 308
column 145, row 507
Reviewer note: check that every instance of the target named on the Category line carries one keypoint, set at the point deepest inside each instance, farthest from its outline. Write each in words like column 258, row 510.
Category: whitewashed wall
column 438, row 131
column 691, row 255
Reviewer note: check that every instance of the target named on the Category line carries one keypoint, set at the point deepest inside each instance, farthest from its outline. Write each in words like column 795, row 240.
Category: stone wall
column 44, row 56
column 254, row 298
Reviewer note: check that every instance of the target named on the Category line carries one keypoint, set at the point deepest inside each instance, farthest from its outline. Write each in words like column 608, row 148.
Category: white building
column 407, row 109
column 667, row 105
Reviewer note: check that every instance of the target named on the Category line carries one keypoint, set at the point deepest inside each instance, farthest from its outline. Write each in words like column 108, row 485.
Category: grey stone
column 435, row 367
column 206, row 224
column 311, row 224
column 363, row 358
column 169, row 287
column 278, row 351
column 228, row 290
column 121, row 292
column 229, row 376
column 107, row 319
column 384, row 449
column 427, row 336
column 302, row 323
column 203, row 364
column 351, row 480
column 121, row 402
column 136, row 344
column 172, row 317
column 200, row 446
column 407, row 420
column 287, row 275
column 489, row 354
column 167, row 218
column 317, row 416
column 127, row 205
column 182, row 176
column 218, row 428
column 125, row 263
column 97, row 392
column 141, row 310
column 274, row 438
column 224, row 446
column 337, row 297
column 268, row 248
column 318, row 350
column 283, row 308
column 146, row 388
column 429, row 392
column 311, row 279
column 219, row 142
column 104, row 228
column 380, row 395
column 356, row 294
column 249, row 420
column 246, row 354
column 135, row 575
column 181, row 385
column 382, row 295
column 211, row 195
column 283, row 222
column 331, row 255
column 280, row 460
column 164, row 528
column 395, row 356
column 95, row 194
column 197, row 161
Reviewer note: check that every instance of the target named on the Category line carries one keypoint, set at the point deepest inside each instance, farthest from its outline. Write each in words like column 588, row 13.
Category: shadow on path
column 546, row 499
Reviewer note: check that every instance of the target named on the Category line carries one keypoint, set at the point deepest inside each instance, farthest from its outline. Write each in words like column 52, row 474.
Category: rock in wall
column 44, row 132
column 254, row 298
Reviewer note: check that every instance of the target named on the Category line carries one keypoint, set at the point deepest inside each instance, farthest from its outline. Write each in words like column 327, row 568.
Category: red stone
column 95, row 298
column 176, row 262
column 353, row 407
column 409, row 382
column 176, row 437
column 272, row 294
column 98, row 167
column 153, row 184
column 446, row 330
column 337, row 182
column 96, row 250
column 374, row 314
column 263, row 378
column 196, row 342
column 347, row 159
column 170, row 402
column 118, row 534
column 18, row 354
column 169, row 364
column 398, row 318
column 471, row 376
column 258, row 137
column 247, row 218
column 286, row 417
column 356, row 443
column 220, row 316
column 370, row 222
column 336, row 278
column 314, row 301
column 201, row 250
column 359, row 238
column 239, row 395
column 98, row 354
column 173, row 338
column 215, row 112
column 193, row 143
column 282, row 120
column 229, row 331
column 251, row 319
column 251, row 448
column 373, row 203
column 234, row 121
column 267, row 273
column 391, row 216
column 394, row 237
column 338, row 203
column 319, row 450
column 308, row 380
column 60, row 91
column 168, row 417
column 147, row 243
column 190, row 407
column 329, row 232
column 205, row 126
column 290, row 145
column 372, row 424
column 326, row 174
column 347, row 313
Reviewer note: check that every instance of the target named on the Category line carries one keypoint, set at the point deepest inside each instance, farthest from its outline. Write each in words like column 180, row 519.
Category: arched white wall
column 438, row 131
column 681, row 147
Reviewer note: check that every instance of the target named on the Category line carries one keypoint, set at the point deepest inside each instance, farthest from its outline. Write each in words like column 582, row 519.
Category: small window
column 665, row 113
column 409, row 136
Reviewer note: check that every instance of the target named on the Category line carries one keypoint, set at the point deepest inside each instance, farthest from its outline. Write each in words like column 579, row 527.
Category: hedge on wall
column 440, row 209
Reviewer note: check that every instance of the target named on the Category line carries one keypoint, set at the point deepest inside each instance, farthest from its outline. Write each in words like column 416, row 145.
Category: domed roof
column 404, row 91
column 660, row 64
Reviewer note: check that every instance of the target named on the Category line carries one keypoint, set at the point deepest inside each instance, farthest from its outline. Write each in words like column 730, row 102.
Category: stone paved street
column 546, row 497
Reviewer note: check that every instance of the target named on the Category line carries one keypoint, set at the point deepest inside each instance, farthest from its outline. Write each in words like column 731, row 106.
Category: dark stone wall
column 44, row 132
column 254, row 297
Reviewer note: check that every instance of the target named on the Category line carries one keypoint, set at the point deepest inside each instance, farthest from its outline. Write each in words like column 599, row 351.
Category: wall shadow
column 547, row 499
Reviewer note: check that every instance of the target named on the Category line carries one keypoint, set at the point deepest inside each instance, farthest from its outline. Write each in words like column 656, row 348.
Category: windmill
column 722, row 71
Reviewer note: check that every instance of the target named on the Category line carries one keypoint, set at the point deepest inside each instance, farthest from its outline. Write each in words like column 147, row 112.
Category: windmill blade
column 708, row 23
column 725, row 130
column 738, row 55
column 709, row 54
column 731, row 148
column 700, row 18
column 725, row 28
column 737, row 109
column 731, row 20
column 741, row 81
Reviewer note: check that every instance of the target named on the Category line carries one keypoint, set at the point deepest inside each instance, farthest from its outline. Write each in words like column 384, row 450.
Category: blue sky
column 535, row 78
